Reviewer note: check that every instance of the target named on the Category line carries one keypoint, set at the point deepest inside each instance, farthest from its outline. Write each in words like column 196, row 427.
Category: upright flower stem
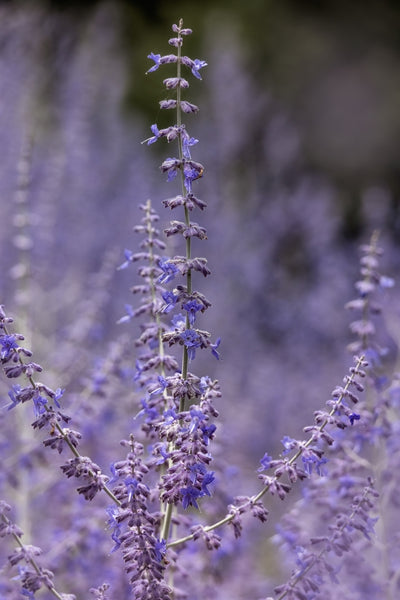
column 166, row 526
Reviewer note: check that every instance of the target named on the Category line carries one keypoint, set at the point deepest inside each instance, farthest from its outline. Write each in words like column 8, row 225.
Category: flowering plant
column 166, row 515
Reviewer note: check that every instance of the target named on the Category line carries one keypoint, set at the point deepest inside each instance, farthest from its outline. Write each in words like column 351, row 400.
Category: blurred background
column 299, row 130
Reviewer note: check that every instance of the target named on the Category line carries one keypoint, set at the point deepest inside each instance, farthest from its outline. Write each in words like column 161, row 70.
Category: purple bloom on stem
column 170, row 416
column 192, row 307
column 312, row 461
column 59, row 393
column 192, row 171
column 265, row 463
column 13, row 396
column 214, row 347
column 113, row 524
column 186, row 143
column 139, row 370
column 189, row 496
column 192, row 341
column 288, row 443
column 195, row 470
column 163, row 385
column 354, row 417
column 164, row 455
column 169, row 270
column 114, row 478
column 197, row 417
column 8, row 344
column 160, row 549
column 39, row 405
column 150, row 412
column 208, row 479
column 386, row 282
column 156, row 135
column 171, row 166
column 131, row 483
column 156, row 58
column 128, row 258
column 208, row 431
column 197, row 65
column 170, row 301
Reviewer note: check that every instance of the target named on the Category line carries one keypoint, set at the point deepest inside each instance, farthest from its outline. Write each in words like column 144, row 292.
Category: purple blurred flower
column 169, row 270
column 214, row 347
column 289, row 443
column 354, row 417
column 13, row 395
column 39, row 404
column 207, row 480
column 170, row 300
column 128, row 259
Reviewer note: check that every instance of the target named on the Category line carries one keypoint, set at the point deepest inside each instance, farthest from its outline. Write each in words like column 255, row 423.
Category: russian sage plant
column 166, row 516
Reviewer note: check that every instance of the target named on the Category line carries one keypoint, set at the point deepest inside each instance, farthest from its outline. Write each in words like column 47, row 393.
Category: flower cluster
column 134, row 527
